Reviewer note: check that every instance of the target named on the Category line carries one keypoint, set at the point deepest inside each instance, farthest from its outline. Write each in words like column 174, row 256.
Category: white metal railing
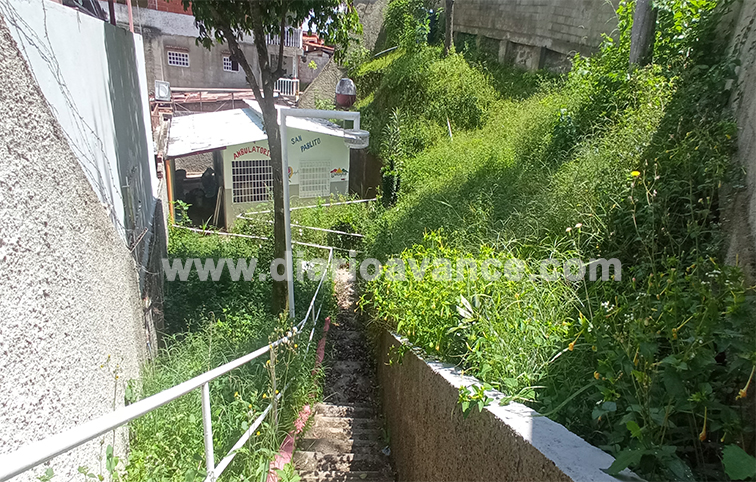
column 31, row 455
column 312, row 206
column 292, row 38
column 288, row 87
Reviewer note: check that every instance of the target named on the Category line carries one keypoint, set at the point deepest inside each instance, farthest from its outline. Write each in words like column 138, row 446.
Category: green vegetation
column 606, row 162
column 211, row 323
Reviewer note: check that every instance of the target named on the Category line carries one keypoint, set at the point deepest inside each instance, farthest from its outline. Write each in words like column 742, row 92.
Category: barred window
column 252, row 181
column 314, row 179
column 230, row 65
column 178, row 59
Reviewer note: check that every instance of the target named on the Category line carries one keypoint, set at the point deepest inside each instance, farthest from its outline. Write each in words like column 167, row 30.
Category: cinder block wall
column 538, row 33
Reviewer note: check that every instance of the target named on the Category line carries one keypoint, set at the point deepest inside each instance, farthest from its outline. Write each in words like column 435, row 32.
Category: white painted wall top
column 79, row 63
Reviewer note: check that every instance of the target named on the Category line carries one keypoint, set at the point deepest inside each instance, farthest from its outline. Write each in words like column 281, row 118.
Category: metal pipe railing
column 324, row 205
column 31, row 455
column 302, row 226
column 292, row 38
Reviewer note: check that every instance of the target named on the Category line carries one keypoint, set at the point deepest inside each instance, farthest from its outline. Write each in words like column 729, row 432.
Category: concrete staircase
column 346, row 441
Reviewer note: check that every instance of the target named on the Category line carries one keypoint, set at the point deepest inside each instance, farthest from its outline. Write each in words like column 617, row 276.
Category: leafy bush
column 406, row 23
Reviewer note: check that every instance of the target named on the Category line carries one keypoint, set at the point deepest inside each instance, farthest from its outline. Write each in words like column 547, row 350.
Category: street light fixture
column 356, row 138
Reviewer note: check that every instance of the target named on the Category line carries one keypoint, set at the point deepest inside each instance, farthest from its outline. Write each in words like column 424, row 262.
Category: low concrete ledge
column 431, row 441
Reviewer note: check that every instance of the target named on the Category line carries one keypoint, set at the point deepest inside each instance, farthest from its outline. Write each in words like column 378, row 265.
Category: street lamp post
column 354, row 138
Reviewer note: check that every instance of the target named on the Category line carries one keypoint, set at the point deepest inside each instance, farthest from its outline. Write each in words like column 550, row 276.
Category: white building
column 318, row 158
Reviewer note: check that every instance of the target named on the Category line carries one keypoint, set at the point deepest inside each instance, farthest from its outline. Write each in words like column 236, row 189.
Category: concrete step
column 340, row 446
column 306, row 460
column 348, row 346
column 345, row 423
column 344, row 410
column 372, row 434
column 358, row 476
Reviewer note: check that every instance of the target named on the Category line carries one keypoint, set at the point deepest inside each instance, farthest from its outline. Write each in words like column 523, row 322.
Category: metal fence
column 292, row 38
column 287, row 87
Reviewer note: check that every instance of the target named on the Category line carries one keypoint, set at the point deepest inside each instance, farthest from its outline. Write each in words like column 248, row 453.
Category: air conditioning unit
column 162, row 90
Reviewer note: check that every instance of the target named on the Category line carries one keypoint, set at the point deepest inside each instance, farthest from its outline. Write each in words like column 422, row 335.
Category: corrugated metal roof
column 214, row 130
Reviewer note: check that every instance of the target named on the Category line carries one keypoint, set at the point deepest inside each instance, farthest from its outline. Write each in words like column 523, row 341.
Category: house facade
column 172, row 54
column 315, row 57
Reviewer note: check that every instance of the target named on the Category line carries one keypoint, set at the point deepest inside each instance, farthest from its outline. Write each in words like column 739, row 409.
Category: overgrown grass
column 608, row 162
column 211, row 323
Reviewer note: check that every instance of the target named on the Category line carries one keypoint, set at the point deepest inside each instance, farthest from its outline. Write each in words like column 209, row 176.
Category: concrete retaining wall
column 536, row 33
column 740, row 219
column 93, row 76
column 431, row 441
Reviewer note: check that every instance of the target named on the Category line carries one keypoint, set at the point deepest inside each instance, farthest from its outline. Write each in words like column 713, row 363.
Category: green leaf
column 634, row 428
column 624, row 460
column 680, row 469
column 737, row 463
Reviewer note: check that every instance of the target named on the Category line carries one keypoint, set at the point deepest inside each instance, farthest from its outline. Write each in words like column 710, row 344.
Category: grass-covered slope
column 608, row 162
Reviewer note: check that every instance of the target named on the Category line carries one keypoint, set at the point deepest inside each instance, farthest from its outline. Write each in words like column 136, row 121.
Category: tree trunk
column 449, row 35
column 643, row 33
column 264, row 96
column 270, row 119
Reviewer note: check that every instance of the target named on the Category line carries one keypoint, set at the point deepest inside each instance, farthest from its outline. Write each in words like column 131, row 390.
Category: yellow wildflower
column 596, row 375
column 635, row 173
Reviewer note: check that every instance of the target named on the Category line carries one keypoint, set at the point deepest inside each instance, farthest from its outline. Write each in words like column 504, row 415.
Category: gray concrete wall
column 740, row 218
column 163, row 30
column 537, row 33
column 70, row 311
column 431, row 441
column 205, row 66
column 92, row 74
column 371, row 13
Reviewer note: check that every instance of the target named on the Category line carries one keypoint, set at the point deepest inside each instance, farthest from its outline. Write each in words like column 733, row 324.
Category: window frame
column 173, row 54
column 227, row 60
